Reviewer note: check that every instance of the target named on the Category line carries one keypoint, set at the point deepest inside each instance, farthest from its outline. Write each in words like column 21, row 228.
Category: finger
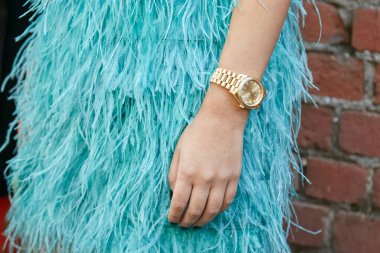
column 229, row 194
column 172, row 174
column 213, row 205
column 198, row 199
column 181, row 196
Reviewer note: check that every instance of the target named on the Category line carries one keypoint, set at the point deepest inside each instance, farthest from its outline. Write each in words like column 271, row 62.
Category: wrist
column 221, row 105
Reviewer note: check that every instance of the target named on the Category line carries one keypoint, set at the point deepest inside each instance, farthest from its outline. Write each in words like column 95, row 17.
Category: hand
column 207, row 161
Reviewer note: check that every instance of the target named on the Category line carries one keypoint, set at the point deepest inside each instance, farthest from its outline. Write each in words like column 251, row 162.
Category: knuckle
column 212, row 211
column 223, row 176
column 174, row 217
column 178, row 206
column 207, row 177
column 194, row 213
column 235, row 177
column 188, row 172
column 228, row 175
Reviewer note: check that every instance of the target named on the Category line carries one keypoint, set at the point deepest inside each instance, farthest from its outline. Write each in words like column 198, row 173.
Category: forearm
column 253, row 33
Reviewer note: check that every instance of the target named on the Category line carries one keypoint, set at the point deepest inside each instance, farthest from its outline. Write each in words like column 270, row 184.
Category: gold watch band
column 227, row 78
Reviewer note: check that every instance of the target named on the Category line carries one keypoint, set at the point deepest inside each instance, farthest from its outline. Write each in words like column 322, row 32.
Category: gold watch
column 248, row 91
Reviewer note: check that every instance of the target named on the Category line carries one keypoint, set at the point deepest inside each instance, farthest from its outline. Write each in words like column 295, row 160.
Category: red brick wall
column 4, row 205
column 340, row 141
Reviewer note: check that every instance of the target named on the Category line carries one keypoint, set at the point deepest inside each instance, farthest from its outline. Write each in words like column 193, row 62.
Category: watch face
column 251, row 93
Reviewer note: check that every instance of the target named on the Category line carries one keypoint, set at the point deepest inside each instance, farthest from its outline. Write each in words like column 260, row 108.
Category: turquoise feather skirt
column 104, row 90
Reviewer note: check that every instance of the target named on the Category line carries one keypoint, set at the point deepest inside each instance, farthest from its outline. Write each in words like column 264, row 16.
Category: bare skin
column 207, row 161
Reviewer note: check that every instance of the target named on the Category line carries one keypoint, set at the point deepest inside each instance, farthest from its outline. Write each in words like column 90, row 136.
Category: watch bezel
column 238, row 93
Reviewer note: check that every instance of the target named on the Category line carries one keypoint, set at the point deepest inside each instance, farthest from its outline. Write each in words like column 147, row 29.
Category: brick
column 337, row 77
column 335, row 181
column 313, row 218
column 332, row 26
column 360, row 133
column 4, row 205
column 376, row 189
column 366, row 29
column 354, row 233
column 377, row 84
column 316, row 127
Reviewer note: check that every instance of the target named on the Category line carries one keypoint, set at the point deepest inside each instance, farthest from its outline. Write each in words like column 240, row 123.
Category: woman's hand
column 207, row 161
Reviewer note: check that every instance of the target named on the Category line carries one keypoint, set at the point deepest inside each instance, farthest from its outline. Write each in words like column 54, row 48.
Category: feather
column 104, row 90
